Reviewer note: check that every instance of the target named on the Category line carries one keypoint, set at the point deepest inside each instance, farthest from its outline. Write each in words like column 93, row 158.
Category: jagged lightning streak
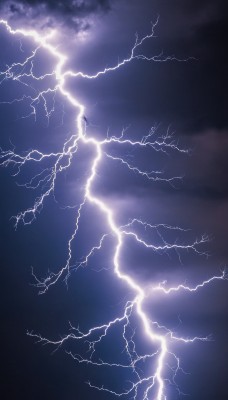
column 144, row 384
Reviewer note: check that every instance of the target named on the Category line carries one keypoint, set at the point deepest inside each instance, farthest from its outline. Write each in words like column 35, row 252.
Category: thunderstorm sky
column 187, row 98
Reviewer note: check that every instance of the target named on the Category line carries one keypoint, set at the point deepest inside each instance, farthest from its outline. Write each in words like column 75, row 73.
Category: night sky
column 188, row 99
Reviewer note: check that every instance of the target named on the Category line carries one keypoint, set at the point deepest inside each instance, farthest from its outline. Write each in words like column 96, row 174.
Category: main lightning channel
column 46, row 181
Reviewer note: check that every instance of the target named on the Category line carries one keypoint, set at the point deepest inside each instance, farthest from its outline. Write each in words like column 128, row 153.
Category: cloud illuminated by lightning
column 147, row 383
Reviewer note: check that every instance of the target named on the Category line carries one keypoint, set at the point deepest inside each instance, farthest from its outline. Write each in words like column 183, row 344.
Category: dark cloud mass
column 62, row 7
column 69, row 13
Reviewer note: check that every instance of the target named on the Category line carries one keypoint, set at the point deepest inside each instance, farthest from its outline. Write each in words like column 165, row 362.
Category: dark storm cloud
column 63, row 7
column 209, row 41
column 198, row 29
column 71, row 13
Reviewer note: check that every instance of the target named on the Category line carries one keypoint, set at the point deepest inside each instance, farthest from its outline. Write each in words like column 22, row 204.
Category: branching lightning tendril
column 146, row 385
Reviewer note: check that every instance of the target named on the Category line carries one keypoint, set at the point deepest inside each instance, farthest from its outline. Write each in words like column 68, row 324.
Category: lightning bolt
column 148, row 370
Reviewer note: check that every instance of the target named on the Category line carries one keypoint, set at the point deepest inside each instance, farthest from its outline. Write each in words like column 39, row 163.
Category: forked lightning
column 149, row 380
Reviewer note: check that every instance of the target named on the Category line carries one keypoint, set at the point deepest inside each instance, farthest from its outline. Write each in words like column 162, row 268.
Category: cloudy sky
column 188, row 99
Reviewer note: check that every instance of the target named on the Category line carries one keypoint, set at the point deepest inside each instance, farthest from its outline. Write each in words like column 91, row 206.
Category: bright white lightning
column 143, row 383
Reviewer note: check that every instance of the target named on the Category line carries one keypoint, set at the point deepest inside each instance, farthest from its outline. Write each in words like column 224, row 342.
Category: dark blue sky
column 190, row 99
